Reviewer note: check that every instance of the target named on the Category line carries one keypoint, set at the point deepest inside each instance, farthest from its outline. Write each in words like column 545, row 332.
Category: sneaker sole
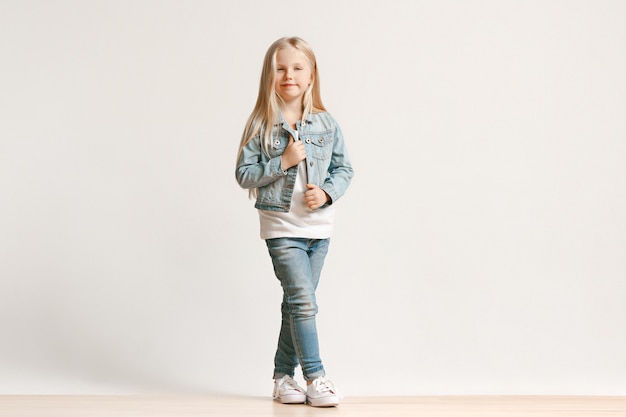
column 323, row 402
column 291, row 399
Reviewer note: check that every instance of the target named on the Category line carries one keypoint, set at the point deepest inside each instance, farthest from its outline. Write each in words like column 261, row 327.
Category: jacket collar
column 281, row 120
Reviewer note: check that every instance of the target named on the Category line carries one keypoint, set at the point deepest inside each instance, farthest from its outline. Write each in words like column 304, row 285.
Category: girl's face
column 293, row 74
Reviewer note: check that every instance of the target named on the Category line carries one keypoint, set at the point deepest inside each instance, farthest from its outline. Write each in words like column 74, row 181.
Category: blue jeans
column 297, row 265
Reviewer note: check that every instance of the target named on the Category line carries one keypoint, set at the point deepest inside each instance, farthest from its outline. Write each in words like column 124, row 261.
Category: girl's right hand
column 294, row 153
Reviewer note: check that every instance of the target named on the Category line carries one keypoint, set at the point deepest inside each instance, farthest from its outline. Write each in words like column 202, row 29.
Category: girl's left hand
column 315, row 197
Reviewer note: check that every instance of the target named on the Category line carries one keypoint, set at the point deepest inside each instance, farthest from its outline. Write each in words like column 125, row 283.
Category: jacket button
column 277, row 142
column 311, row 163
column 308, row 140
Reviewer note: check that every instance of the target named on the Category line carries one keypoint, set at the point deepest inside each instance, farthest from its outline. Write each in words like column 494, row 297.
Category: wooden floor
column 222, row 406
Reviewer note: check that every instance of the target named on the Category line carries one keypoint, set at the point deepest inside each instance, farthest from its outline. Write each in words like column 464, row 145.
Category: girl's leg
column 297, row 264
column 286, row 360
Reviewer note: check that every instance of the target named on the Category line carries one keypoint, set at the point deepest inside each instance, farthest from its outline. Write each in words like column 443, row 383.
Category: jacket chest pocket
column 278, row 145
column 322, row 145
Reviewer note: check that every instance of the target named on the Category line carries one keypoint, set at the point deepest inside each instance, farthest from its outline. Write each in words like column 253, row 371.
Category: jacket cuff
column 330, row 190
column 276, row 168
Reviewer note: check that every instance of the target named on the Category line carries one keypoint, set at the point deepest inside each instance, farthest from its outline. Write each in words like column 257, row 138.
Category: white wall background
column 480, row 250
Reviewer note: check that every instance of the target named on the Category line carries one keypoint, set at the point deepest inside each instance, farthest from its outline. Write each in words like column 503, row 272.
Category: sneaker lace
column 322, row 385
column 288, row 384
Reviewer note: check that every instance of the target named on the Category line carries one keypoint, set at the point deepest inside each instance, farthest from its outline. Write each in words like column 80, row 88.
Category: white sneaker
column 287, row 391
column 322, row 393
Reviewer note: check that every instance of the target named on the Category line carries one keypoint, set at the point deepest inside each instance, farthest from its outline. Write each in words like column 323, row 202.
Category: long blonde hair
column 268, row 104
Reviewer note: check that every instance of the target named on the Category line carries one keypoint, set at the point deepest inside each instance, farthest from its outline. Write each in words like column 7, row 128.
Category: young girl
column 293, row 159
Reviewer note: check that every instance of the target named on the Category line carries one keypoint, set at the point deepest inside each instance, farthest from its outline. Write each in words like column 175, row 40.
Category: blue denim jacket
column 327, row 162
